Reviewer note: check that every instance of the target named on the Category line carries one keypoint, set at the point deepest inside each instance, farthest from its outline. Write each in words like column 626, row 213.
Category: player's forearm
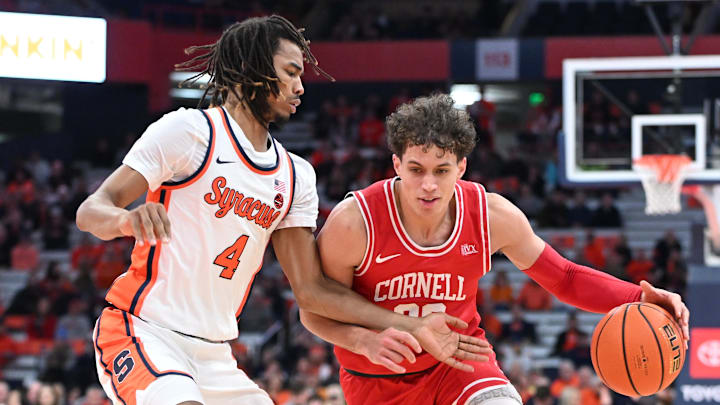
column 581, row 286
column 99, row 216
column 344, row 335
column 330, row 299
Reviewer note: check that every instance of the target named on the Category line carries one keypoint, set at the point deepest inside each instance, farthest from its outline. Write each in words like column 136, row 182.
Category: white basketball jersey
column 222, row 217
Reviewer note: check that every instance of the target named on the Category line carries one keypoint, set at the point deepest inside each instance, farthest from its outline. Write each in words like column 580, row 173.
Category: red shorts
column 440, row 385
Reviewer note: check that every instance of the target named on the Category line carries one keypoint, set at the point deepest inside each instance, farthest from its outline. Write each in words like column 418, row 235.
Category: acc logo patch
column 279, row 200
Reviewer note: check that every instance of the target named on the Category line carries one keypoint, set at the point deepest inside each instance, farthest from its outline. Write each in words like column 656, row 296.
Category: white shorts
column 139, row 363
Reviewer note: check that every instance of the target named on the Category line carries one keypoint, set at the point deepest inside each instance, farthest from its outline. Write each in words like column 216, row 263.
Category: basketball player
column 219, row 188
column 418, row 243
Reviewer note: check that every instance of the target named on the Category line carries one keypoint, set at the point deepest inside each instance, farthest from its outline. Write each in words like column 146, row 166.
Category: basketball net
column 662, row 177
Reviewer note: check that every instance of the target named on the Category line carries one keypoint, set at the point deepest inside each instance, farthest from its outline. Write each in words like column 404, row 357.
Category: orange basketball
column 637, row 349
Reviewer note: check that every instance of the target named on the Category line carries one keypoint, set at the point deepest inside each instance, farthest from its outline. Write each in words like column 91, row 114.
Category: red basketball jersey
column 398, row 274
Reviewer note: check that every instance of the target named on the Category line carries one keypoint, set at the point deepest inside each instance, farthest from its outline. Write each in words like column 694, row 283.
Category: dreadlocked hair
column 243, row 56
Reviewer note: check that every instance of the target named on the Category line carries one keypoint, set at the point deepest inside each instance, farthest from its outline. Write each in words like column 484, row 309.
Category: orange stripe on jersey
column 241, row 154
column 206, row 161
column 129, row 290
column 123, row 356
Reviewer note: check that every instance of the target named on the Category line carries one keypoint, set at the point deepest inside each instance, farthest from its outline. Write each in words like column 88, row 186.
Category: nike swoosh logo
column 380, row 260
column 224, row 161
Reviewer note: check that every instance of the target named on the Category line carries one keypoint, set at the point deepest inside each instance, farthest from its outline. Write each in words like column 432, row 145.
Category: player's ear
column 462, row 165
column 396, row 163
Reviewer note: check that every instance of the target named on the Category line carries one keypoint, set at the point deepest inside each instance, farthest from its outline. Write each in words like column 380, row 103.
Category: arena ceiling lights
column 48, row 47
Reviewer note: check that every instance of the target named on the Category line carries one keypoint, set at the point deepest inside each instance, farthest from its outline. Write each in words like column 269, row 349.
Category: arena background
column 66, row 122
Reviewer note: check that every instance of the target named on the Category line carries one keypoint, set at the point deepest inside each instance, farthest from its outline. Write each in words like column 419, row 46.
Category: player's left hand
column 672, row 303
column 446, row 345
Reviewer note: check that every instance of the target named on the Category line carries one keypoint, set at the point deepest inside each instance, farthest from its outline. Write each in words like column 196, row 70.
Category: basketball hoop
column 662, row 177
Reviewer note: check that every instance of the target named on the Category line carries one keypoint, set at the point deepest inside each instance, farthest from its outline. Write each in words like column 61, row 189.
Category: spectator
column 567, row 377
column 528, row 202
column 55, row 232
column 24, row 256
column 516, row 357
column 5, row 246
column 664, row 247
column 639, row 267
column 85, row 252
column 594, row 251
column 533, row 297
column 333, row 395
column 490, row 323
column 587, row 383
column 42, row 323
column 623, row 250
column 579, row 215
column 483, row 114
column 570, row 396
column 371, row 130
column 607, row 215
column 570, row 337
column 555, row 213
column 518, row 329
column 542, row 397
column 501, row 293
column 94, row 395
column 75, row 324
column 48, row 396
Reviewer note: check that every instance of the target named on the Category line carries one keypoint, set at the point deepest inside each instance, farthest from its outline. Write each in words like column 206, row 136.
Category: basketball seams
column 627, row 368
column 660, row 351
column 597, row 347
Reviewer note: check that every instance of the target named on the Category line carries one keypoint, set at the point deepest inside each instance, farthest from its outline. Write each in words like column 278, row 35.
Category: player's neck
column 254, row 131
column 425, row 230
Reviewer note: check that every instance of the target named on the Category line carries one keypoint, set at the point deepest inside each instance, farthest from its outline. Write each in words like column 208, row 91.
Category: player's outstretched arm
column 104, row 215
column 331, row 296
column 580, row 286
column 388, row 348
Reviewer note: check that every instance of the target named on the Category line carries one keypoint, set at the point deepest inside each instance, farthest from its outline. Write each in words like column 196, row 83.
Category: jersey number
column 229, row 259
column 414, row 309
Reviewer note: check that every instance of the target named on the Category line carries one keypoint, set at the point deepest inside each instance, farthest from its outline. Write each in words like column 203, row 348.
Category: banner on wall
column 49, row 47
column 496, row 59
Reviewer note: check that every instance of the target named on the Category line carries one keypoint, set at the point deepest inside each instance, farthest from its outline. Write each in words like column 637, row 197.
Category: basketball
column 637, row 349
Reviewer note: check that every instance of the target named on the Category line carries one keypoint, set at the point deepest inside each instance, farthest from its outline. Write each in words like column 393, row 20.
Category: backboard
column 618, row 109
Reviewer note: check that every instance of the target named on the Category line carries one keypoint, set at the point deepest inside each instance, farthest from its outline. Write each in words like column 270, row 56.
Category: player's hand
column 672, row 303
column 389, row 348
column 147, row 223
column 446, row 345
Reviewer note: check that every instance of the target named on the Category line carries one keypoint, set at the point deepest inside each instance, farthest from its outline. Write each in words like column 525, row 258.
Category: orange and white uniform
column 177, row 305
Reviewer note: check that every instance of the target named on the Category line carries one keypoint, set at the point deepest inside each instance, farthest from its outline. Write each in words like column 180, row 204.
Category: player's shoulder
column 182, row 121
column 304, row 171
column 183, row 115
column 346, row 217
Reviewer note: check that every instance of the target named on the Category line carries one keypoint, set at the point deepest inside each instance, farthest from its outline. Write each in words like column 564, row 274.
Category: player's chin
column 280, row 118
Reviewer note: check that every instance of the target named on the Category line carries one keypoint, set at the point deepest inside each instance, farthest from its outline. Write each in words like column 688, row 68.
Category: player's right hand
column 147, row 223
column 389, row 348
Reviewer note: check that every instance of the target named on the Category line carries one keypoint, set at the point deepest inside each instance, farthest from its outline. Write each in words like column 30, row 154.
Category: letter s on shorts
column 123, row 365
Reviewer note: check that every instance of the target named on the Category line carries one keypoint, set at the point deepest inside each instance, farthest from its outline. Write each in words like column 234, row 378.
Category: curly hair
column 429, row 121
column 243, row 56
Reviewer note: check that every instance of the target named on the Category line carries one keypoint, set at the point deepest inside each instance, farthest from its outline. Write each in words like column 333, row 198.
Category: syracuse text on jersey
column 247, row 207
column 435, row 286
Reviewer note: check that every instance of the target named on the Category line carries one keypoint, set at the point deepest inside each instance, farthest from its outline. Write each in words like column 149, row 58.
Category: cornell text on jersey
column 436, row 286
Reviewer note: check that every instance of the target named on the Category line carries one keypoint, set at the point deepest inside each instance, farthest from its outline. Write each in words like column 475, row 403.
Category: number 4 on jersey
column 229, row 259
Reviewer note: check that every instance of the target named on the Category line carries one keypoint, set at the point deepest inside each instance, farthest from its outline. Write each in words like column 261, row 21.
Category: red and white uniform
column 398, row 274
column 223, row 200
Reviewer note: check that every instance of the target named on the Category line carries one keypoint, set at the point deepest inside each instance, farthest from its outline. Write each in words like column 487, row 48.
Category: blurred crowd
column 381, row 20
column 50, row 317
